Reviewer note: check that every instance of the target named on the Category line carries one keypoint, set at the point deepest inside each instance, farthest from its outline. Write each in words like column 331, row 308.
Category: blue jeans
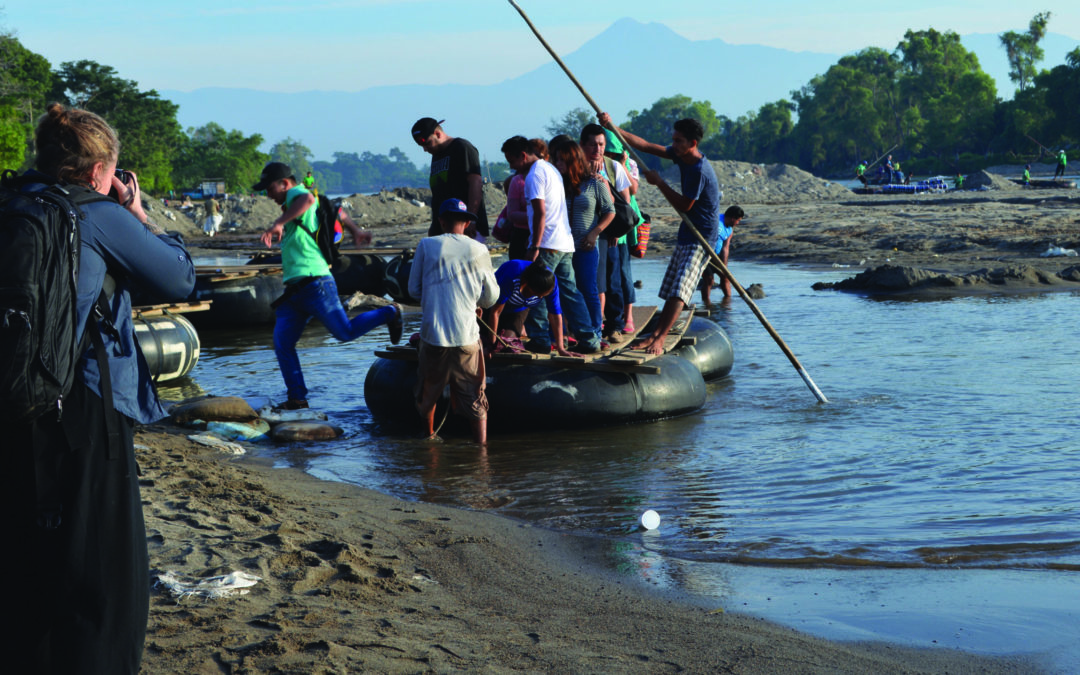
column 585, row 272
column 575, row 314
column 319, row 299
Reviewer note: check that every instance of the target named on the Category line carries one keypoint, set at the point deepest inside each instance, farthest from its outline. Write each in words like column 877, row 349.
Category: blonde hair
column 69, row 142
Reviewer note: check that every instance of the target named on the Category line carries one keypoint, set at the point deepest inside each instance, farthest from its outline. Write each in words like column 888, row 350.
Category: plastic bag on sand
column 240, row 431
column 213, row 441
column 278, row 416
column 210, row 588
column 1057, row 252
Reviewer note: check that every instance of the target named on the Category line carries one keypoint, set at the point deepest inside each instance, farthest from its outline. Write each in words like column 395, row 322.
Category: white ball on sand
column 650, row 520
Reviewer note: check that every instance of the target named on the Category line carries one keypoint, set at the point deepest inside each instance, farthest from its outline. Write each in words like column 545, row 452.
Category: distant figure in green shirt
column 1062, row 161
column 1027, row 175
column 310, row 290
column 309, row 183
column 860, row 172
column 959, row 181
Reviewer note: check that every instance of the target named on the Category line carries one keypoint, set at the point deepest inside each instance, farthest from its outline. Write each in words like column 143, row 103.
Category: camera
column 128, row 179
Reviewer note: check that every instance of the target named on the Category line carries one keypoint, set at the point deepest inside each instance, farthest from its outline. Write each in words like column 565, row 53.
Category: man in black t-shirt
column 455, row 172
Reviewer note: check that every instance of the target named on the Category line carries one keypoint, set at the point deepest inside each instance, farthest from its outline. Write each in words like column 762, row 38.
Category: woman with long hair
column 591, row 210
column 82, row 594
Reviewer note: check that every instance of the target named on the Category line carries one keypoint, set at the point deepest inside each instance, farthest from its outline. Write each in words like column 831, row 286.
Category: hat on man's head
column 425, row 126
column 274, row 171
column 455, row 206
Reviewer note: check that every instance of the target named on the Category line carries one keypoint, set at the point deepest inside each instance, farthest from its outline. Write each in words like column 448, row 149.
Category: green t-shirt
column 300, row 254
column 309, row 182
column 1062, row 159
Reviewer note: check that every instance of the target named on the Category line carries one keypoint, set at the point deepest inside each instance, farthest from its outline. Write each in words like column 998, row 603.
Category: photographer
column 82, row 590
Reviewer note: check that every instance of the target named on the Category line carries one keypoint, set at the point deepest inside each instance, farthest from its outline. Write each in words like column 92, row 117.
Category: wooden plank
column 147, row 311
column 514, row 356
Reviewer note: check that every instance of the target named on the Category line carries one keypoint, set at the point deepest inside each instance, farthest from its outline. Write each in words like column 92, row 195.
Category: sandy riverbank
column 355, row 581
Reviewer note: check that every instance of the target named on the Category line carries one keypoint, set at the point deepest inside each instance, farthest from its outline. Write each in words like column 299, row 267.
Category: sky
column 351, row 45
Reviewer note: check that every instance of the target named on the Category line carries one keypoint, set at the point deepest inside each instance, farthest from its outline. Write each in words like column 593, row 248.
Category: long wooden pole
column 716, row 261
column 882, row 155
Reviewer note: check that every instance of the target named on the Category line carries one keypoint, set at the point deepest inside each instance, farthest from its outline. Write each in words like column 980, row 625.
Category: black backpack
column 39, row 271
column 625, row 218
column 326, row 214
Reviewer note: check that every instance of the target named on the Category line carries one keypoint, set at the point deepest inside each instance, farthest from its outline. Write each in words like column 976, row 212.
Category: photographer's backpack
column 39, row 270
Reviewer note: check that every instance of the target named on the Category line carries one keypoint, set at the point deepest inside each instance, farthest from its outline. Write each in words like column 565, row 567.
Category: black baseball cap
column 425, row 126
column 274, row 171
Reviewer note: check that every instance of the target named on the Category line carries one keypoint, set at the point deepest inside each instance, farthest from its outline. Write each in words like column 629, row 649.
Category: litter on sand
column 210, row 588
column 213, row 441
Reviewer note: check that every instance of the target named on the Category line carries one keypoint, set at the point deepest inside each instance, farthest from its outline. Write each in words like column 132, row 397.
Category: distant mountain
column 626, row 67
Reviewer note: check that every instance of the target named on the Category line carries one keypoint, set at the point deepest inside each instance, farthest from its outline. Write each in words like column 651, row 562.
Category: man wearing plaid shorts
column 699, row 200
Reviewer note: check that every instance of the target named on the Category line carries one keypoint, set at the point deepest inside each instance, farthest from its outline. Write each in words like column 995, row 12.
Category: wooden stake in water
column 716, row 261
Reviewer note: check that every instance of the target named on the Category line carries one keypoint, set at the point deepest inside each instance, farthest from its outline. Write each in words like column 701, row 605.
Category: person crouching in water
column 522, row 285
column 451, row 274
column 310, row 290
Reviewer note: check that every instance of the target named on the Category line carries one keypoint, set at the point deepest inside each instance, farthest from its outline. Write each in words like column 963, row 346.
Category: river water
column 932, row 502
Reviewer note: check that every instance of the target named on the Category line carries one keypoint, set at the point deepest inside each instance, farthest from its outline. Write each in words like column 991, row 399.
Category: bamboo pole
column 716, row 261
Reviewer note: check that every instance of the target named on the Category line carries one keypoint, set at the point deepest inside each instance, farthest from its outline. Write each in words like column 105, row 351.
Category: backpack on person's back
column 39, row 269
column 327, row 215
column 625, row 218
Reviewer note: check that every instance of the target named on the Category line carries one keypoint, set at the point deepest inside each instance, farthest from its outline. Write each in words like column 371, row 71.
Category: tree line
column 928, row 98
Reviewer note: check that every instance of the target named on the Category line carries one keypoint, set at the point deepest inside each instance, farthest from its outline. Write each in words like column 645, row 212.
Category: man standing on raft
column 455, row 172
column 699, row 200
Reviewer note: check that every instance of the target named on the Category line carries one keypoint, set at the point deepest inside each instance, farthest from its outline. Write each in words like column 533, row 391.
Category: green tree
column 849, row 112
column 1023, row 51
column 571, row 123
column 25, row 79
column 1061, row 95
column 947, row 100
column 212, row 152
column 147, row 126
column 656, row 122
column 294, row 153
column 368, row 171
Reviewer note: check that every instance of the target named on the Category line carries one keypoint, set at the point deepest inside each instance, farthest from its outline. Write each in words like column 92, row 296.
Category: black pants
column 78, row 594
column 519, row 243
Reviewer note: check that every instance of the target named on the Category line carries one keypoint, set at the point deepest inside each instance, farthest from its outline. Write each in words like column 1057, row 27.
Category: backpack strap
column 100, row 314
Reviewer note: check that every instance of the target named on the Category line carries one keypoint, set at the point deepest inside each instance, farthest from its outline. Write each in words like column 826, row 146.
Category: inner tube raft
column 238, row 300
column 169, row 344
column 571, row 398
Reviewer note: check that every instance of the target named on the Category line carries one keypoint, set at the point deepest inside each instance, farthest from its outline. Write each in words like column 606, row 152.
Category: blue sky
column 355, row 44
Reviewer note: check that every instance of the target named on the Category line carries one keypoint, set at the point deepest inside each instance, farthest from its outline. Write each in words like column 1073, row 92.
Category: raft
column 169, row 344
column 238, row 297
column 623, row 387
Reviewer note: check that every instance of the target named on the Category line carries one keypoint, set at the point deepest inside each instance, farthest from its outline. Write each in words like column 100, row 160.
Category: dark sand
column 355, row 581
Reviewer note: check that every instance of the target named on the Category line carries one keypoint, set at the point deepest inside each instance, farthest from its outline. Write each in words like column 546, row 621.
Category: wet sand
column 356, row 581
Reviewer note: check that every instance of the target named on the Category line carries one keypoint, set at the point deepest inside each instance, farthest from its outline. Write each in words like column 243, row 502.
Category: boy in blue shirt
column 728, row 221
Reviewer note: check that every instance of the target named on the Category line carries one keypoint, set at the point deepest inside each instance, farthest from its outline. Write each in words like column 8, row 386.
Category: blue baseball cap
column 457, row 207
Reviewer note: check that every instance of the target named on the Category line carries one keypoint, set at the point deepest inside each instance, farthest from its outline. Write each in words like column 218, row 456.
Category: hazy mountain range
column 627, row 67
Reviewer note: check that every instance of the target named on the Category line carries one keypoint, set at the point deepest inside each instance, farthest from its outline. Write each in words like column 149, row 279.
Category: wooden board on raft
column 619, row 359
column 147, row 311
